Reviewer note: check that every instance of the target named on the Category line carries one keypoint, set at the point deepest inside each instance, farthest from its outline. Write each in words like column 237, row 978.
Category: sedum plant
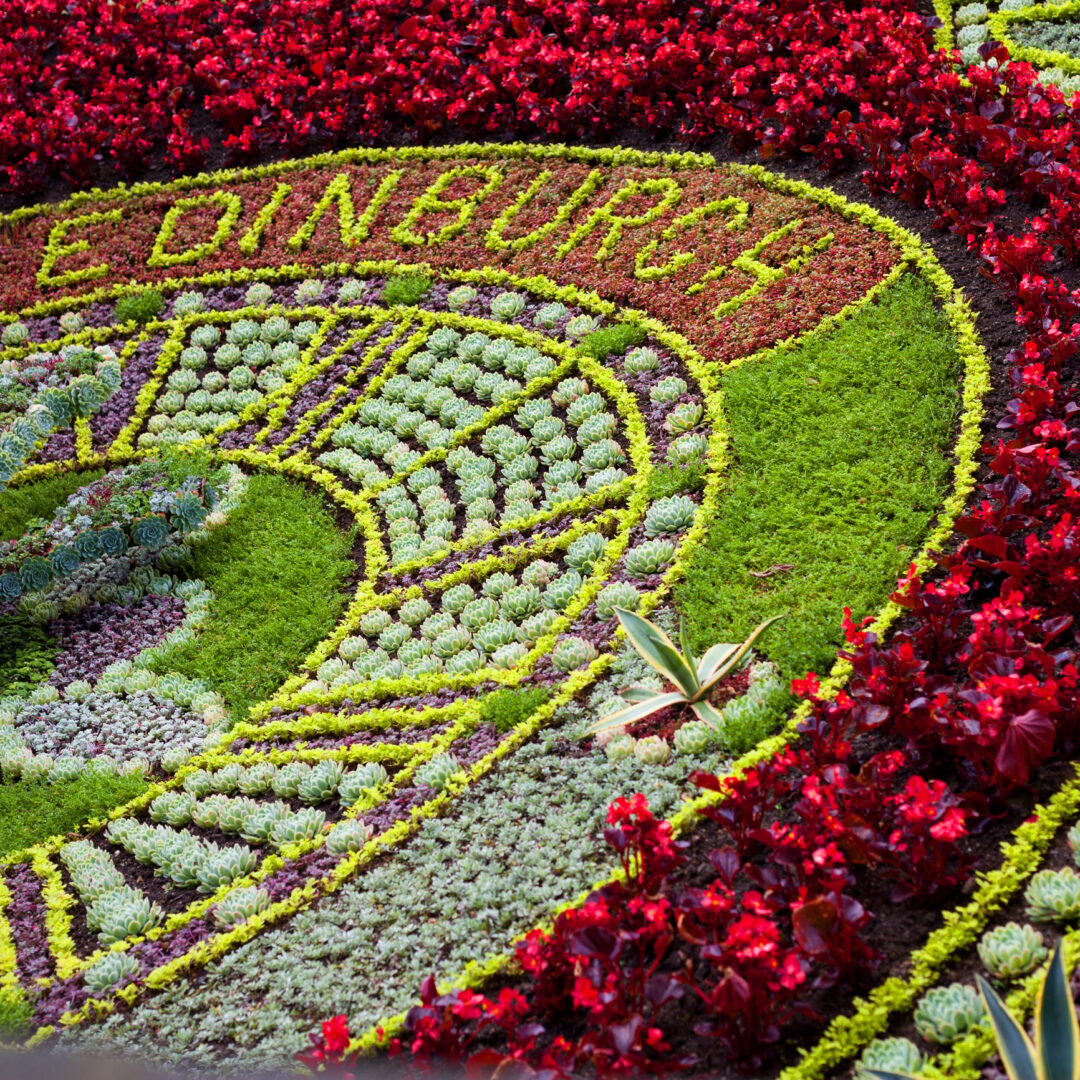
column 1012, row 950
column 694, row 679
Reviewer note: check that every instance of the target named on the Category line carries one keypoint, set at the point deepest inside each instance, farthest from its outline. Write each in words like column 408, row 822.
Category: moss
column 15, row 1014
column 139, row 307
column 675, row 479
column 406, row 290
column 277, row 570
column 611, row 340
column 26, row 655
column 508, row 708
column 30, row 813
column 840, row 458
column 21, row 505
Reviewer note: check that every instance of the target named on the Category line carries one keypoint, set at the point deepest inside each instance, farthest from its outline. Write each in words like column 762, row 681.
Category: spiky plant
column 694, row 679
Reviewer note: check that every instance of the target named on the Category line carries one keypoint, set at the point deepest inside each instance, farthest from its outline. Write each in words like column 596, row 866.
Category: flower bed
column 932, row 733
column 522, row 374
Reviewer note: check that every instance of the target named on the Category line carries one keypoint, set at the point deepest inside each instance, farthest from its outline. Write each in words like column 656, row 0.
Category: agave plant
column 694, row 679
column 1055, row 1053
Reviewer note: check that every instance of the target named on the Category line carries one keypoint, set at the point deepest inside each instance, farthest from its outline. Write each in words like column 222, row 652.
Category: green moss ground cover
column 833, row 443
column 276, row 570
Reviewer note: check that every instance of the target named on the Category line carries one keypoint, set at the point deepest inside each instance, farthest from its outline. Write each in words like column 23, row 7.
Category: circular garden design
column 372, row 525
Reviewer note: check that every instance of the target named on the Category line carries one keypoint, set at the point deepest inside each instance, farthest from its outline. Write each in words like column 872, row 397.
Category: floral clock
column 506, row 365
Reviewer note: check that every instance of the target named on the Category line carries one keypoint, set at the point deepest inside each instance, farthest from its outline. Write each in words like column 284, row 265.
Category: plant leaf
column 1056, row 1033
column 1016, row 1049
column 639, row 693
column 713, row 659
column 707, row 713
column 684, row 644
column 659, row 650
column 731, row 663
column 882, row 1074
column 636, row 712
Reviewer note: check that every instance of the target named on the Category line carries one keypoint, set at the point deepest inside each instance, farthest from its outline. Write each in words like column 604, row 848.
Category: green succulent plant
column 649, row 557
column 305, row 824
column 111, row 970
column 363, row 778
column 641, row 360
column 585, row 552
column 694, row 737
column 1054, row 896
column 652, row 750
column 572, row 654
column 438, row 772
column 945, row 1013
column 669, row 515
column 117, row 917
column 1055, row 1052
column 259, row 822
column 893, row 1055
column 348, row 836
column 694, row 679
column 559, row 594
column 320, row 785
column 226, row 866
column 1012, row 950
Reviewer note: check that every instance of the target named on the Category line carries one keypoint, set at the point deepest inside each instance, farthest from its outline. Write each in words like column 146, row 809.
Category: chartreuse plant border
column 464, row 716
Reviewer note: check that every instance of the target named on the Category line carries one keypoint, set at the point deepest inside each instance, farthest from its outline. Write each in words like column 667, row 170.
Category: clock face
column 535, row 387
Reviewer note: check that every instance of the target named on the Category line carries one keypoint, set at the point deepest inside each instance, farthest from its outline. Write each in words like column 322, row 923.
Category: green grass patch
column 508, row 708
column 139, row 307
column 26, row 655
column 671, row 480
column 30, row 813
column 406, row 290
column 21, row 505
column 276, row 569
column 611, row 340
column 840, row 460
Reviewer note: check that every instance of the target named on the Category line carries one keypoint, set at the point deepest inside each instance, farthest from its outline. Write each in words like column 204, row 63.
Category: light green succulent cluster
column 945, row 1013
column 111, row 970
column 648, row 558
column 1054, row 896
column 537, row 461
column 670, row 515
column 363, row 778
column 573, row 653
column 182, row 857
column 890, row 1055
column 494, row 622
column 240, row 905
column 313, row 784
column 652, row 750
column 424, row 407
column 1012, row 950
column 695, row 737
column 438, row 772
column 223, row 370
column 347, row 836
column 620, row 594
column 114, row 910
